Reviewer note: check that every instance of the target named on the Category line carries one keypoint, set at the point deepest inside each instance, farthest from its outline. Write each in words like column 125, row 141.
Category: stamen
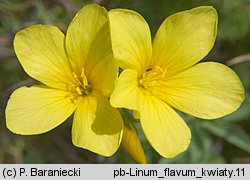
column 84, row 78
column 78, row 90
column 77, row 79
column 81, row 87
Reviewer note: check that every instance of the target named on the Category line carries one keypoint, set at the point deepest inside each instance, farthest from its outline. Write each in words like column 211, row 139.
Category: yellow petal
column 131, row 39
column 103, row 76
column 101, row 67
column 40, row 50
column 163, row 127
column 97, row 126
column 207, row 90
column 126, row 93
column 37, row 109
column 86, row 39
column 132, row 143
column 185, row 38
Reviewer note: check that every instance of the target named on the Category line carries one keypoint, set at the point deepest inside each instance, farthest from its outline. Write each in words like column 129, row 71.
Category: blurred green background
column 225, row 140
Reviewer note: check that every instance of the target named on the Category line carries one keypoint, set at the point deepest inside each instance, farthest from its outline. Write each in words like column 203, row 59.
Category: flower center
column 82, row 86
column 151, row 77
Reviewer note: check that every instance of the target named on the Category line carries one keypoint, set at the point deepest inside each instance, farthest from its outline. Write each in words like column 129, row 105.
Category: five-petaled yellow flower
column 159, row 77
column 78, row 72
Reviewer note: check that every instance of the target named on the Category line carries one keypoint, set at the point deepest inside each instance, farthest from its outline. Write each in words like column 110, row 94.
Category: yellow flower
column 163, row 76
column 78, row 72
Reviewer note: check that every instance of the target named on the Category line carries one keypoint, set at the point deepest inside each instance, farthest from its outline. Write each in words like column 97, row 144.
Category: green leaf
column 229, row 133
